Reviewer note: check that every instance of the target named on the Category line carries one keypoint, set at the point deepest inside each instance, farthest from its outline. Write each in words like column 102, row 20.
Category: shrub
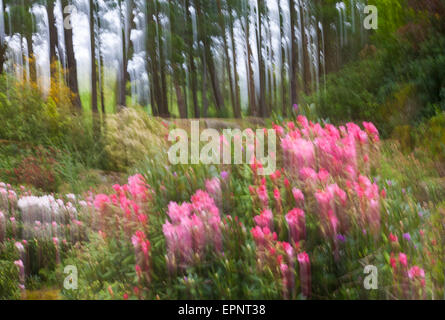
column 131, row 136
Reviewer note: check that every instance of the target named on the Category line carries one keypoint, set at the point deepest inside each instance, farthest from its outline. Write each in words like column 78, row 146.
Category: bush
column 131, row 136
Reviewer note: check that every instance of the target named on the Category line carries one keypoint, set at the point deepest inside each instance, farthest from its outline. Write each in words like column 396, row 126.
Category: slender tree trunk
column 284, row 106
column 209, row 58
column 71, row 60
column 180, row 100
column 3, row 46
column 153, row 61
column 205, row 103
column 178, row 72
column 165, row 112
column 101, row 73
column 31, row 58
column 122, row 76
column 222, row 25
column 235, row 71
column 305, row 64
column 294, row 54
column 193, row 81
column 94, row 108
column 262, row 88
column 250, row 76
column 53, row 39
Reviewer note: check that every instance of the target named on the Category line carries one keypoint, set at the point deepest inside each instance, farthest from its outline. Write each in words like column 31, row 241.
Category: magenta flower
column 298, row 195
column 305, row 273
column 297, row 224
column 224, row 175
column 265, row 219
column 393, row 238
column 101, row 201
column 403, row 259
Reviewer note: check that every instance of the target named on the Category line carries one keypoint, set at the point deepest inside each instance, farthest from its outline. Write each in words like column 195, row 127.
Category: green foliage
column 432, row 135
column 391, row 86
column 102, row 264
column 9, row 279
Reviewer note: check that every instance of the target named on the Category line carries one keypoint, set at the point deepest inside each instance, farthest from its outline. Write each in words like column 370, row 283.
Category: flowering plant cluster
column 193, row 228
column 305, row 232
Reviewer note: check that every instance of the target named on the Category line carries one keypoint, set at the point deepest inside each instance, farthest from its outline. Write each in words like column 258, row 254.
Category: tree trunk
column 235, row 71
column 193, row 81
column 3, row 48
column 53, row 39
column 209, row 58
column 284, row 106
column 94, row 109
column 205, row 103
column 153, row 62
column 122, row 76
column 222, row 25
column 71, row 61
column 101, row 74
column 305, row 64
column 180, row 100
column 164, row 110
column 294, row 54
column 250, row 76
column 31, row 58
column 262, row 88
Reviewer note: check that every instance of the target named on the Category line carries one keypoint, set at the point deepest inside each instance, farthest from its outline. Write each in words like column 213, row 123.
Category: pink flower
column 277, row 195
column 265, row 219
column 262, row 195
column 140, row 241
column 263, row 236
column 305, row 273
column 275, row 175
column 298, row 195
column 323, row 175
column 297, row 153
column 403, row 259
column 138, row 187
column 297, row 224
column 213, row 187
column 371, row 130
column 393, row 238
column 278, row 129
column 193, row 226
column 417, row 273
column 19, row 263
column 177, row 212
column 308, row 173
column 100, row 201
column 19, row 247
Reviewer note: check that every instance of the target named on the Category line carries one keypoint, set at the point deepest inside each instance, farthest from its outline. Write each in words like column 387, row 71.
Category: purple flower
column 224, row 175
column 403, row 191
column 407, row 236
column 295, row 107
column 341, row 237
